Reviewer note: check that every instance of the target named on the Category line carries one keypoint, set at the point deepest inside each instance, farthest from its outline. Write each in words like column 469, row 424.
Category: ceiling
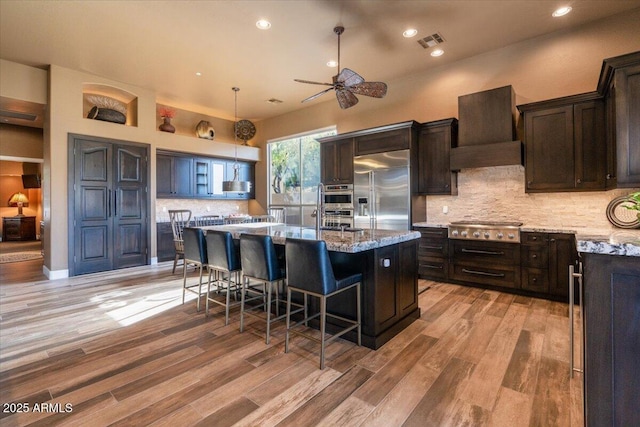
column 160, row 45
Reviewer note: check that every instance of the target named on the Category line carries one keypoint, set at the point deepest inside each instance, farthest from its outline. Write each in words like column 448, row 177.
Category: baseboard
column 55, row 274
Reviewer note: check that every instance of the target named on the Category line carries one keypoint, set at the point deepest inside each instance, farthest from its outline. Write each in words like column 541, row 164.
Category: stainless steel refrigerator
column 381, row 191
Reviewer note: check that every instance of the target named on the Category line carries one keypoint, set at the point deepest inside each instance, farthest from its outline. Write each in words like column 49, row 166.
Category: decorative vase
column 166, row 126
column 205, row 130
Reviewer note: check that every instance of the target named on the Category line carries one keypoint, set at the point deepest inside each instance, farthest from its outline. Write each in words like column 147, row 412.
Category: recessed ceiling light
column 411, row 32
column 332, row 64
column 561, row 11
column 263, row 24
column 198, row 73
column 437, row 52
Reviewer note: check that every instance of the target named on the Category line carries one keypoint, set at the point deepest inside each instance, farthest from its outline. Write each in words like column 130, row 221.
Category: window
column 294, row 174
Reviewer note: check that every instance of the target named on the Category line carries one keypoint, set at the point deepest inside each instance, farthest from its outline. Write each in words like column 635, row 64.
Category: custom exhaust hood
column 487, row 130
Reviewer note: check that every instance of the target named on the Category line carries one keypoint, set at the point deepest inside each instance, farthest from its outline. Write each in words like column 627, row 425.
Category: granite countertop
column 349, row 241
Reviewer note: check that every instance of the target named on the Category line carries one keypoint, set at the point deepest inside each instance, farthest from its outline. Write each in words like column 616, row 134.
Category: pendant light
column 236, row 186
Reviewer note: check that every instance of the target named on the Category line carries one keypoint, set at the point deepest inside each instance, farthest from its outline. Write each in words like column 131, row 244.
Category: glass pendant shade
column 236, row 186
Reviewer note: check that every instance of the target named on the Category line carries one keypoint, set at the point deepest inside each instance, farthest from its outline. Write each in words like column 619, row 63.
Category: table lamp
column 20, row 200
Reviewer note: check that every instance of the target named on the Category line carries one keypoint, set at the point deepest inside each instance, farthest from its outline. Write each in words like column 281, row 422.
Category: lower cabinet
column 18, row 228
column 433, row 253
column 612, row 340
column 166, row 250
column 485, row 263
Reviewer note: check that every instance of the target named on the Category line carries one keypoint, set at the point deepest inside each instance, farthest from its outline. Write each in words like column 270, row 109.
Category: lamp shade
column 20, row 200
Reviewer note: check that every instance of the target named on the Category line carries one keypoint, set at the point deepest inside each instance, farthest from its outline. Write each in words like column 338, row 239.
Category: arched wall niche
column 97, row 91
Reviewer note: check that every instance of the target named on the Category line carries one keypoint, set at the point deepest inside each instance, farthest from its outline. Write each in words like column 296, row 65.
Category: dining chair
column 208, row 220
column 278, row 214
column 310, row 272
column 180, row 218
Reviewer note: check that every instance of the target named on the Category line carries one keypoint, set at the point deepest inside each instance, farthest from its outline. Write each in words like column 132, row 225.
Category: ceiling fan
column 347, row 84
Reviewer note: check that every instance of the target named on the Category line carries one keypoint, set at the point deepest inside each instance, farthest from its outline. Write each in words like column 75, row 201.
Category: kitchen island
column 387, row 260
column 611, row 295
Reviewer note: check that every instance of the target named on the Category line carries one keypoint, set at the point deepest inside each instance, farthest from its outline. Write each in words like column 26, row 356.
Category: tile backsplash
column 200, row 207
column 497, row 194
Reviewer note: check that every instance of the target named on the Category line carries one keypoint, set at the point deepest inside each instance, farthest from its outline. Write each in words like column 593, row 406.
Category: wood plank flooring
column 120, row 349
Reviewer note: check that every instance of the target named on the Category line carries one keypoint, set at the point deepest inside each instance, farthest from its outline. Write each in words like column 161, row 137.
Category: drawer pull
column 534, row 256
column 482, row 273
column 477, row 251
column 439, row 248
column 435, row 267
column 435, row 233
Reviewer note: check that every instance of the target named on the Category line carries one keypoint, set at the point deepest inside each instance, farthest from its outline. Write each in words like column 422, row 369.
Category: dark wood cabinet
column 545, row 259
column 433, row 251
column 565, row 144
column 434, row 151
column 174, row 175
column 494, row 264
column 108, row 204
column 18, row 228
column 612, row 340
column 180, row 175
column 382, row 140
column 166, row 250
column 620, row 84
column 336, row 161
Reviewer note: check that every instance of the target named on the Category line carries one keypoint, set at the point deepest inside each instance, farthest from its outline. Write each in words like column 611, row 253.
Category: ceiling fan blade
column 317, row 95
column 312, row 83
column 345, row 98
column 349, row 77
column 374, row 89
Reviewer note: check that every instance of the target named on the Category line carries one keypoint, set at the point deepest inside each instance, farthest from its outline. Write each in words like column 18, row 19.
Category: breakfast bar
column 387, row 260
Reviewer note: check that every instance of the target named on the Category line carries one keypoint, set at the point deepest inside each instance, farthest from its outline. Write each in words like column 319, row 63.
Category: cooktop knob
column 487, row 234
column 454, row 233
column 476, row 234
column 463, row 234
column 499, row 235
column 511, row 236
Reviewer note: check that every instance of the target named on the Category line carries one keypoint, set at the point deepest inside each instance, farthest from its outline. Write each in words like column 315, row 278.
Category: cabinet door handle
column 534, row 256
column 578, row 181
column 109, row 203
column 478, row 251
column 115, row 203
column 439, row 248
column 436, row 267
column 572, row 276
column 482, row 273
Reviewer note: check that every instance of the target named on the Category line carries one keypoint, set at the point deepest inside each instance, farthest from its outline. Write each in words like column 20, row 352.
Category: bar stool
column 224, row 259
column 309, row 271
column 260, row 262
column 195, row 252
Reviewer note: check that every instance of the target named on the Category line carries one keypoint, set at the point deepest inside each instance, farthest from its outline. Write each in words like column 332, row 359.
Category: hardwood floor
column 119, row 348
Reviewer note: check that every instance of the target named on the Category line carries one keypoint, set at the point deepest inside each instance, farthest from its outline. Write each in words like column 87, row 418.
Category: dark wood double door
column 108, row 204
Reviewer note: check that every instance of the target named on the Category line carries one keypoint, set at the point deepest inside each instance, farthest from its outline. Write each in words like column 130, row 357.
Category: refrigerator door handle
column 372, row 201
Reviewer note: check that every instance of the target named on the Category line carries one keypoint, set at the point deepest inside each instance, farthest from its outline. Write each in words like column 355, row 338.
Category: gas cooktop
column 506, row 231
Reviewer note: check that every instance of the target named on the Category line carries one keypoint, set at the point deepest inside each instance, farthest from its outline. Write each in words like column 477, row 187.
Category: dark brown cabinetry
column 166, row 249
column 620, row 84
column 434, row 150
column 174, row 175
column 180, row 175
column 336, row 161
column 18, row 228
column 433, row 252
column 612, row 340
column 485, row 263
column 545, row 259
column 565, row 144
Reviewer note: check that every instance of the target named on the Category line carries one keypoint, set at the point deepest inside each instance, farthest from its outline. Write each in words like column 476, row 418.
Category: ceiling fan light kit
column 347, row 84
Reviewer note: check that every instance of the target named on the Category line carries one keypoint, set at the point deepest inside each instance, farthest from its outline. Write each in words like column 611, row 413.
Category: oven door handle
column 478, row 251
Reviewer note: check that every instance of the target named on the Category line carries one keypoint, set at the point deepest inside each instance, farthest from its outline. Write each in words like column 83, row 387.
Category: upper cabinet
column 620, row 84
column 565, row 144
column 336, row 161
column 434, row 150
column 180, row 175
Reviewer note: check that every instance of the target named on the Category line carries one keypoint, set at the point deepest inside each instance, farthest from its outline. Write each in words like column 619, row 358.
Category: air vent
column 18, row 115
column 274, row 101
column 431, row 41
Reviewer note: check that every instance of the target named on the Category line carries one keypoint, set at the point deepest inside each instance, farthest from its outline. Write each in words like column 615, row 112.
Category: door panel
column 94, row 244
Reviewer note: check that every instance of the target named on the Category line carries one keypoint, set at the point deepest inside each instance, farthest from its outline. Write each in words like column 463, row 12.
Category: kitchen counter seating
column 387, row 261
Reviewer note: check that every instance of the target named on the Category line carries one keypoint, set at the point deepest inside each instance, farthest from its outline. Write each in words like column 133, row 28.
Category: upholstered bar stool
column 260, row 263
column 224, row 260
column 309, row 271
column 195, row 252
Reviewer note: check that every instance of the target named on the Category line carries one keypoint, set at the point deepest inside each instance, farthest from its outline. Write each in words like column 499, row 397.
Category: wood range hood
column 487, row 130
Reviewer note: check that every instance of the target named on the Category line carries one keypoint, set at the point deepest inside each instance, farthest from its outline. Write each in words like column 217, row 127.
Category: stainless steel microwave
column 338, row 196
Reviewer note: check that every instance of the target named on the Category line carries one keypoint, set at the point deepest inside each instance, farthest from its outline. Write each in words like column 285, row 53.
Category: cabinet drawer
column 485, row 253
column 535, row 279
column 535, row 256
column 493, row 275
column 434, row 233
column 433, row 268
column 433, row 247
column 534, row 238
